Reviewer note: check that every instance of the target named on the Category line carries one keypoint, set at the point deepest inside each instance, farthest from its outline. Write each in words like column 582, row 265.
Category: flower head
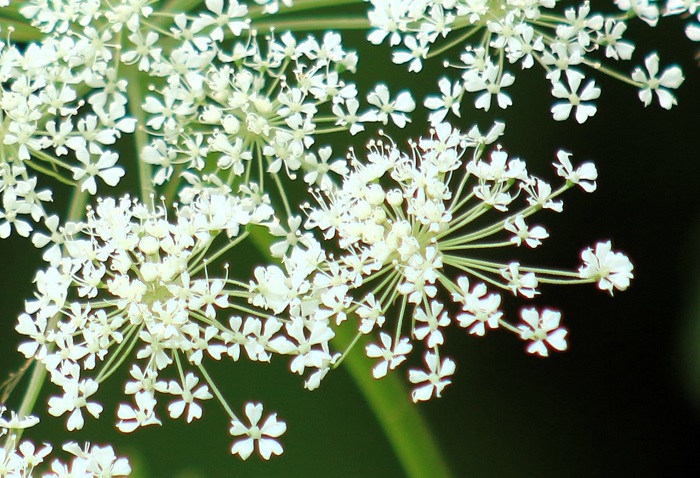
column 414, row 229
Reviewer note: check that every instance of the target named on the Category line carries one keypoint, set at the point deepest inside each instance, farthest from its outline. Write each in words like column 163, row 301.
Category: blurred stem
column 314, row 23
column 22, row 31
column 135, row 93
column 300, row 6
column 415, row 446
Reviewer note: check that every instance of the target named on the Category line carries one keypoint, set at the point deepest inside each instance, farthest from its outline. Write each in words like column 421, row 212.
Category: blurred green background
column 623, row 401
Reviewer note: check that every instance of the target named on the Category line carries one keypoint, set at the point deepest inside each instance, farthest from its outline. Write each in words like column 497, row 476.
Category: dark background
column 622, row 401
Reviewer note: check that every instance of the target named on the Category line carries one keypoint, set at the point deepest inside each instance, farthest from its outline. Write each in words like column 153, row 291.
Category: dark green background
column 622, row 401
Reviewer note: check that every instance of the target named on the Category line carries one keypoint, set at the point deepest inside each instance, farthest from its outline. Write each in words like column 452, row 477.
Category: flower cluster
column 46, row 128
column 522, row 33
column 407, row 224
column 225, row 112
column 24, row 459
column 220, row 98
column 128, row 287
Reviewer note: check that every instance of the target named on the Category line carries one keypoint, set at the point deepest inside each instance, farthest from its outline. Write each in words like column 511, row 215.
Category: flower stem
column 314, row 23
column 135, row 93
column 404, row 426
column 301, row 5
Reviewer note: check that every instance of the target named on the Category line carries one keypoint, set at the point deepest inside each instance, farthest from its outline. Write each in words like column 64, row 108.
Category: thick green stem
column 404, row 426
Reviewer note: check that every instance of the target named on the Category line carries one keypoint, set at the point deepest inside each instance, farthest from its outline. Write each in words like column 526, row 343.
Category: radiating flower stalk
column 225, row 118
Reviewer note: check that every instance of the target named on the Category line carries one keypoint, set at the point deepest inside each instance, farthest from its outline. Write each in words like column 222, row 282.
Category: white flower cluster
column 524, row 32
column 216, row 92
column 47, row 129
column 129, row 287
column 407, row 224
column 22, row 459
column 244, row 101
column 395, row 245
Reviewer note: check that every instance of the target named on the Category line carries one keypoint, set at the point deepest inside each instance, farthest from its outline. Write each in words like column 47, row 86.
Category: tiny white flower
column 611, row 270
column 542, row 330
column 670, row 79
column 436, row 377
column 264, row 436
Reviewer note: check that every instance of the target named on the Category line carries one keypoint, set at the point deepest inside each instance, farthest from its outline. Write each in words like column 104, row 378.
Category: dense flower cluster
column 395, row 245
column 524, row 33
column 407, row 224
column 240, row 105
column 129, row 282
column 46, row 128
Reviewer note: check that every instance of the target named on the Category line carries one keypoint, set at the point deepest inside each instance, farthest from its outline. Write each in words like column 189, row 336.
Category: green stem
column 314, row 23
column 405, row 428
column 135, row 93
column 301, row 5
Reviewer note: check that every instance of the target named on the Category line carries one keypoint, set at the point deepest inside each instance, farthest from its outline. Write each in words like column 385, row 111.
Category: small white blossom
column 542, row 330
column 436, row 377
column 611, row 270
column 263, row 437
column 670, row 79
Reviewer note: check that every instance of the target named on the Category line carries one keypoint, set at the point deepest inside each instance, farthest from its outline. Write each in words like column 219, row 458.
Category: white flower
column 561, row 111
column 74, row 400
column 644, row 9
column 130, row 418
column 430, row 324
column 479, row 310
column 448, row 101
column 188, row 396
column 584, row 176
column 395, row 109
column 392, row 356
column 542, row 330
column 532, row 236
column 671, row 78
column 436, row 377
column 612, row 270
column 104, row 168
column 492, row 80
column 17, row 422
column 263, row 436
